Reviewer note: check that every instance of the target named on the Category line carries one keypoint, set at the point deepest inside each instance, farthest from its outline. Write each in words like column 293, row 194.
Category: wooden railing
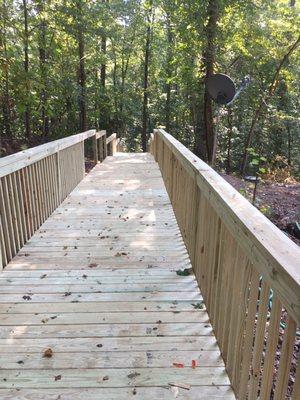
column 34, row 182
column 247, row 269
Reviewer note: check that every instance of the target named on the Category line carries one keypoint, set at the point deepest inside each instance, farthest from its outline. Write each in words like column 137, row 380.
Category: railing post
column 100, row 148
column 114, row 145
column 95, row 148
column 104, row 146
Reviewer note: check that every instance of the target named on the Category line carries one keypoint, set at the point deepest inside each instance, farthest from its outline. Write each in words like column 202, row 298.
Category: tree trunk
column 197, row 109
column 146, row 80
column 263, row 102
column 103, row 52
column 43, row 72
column 26, row 69
column 209, row 56
column 81, row 71
column 228, row 161
column 289, row 145
column 169, row 73
column 5, row 69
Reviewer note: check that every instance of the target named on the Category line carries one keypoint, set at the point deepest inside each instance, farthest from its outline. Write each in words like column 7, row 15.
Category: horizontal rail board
column 22, row 159
column 111, row 138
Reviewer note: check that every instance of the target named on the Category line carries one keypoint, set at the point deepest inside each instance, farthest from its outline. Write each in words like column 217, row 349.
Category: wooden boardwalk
column 92, row 307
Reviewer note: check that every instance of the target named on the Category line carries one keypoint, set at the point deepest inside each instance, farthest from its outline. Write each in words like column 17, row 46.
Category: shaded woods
column 130, row 66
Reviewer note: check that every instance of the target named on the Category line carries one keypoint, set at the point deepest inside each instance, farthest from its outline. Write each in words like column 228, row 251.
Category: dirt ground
column 279, row 202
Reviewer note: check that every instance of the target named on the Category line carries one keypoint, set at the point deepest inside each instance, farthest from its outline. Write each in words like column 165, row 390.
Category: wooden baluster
column 58, row 175
column 249, row 334
column 285, row 359
column 239, row 294
column 296, row 386
column 3, row 256
column 9, row 216
column 272, row 341
column 23, row 215
column 18, row 210
column 259, row 341
column 13, row 206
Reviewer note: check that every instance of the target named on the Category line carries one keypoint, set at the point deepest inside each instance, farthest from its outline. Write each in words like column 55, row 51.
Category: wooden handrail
column 27, row 157
column 34, row 182
column 240, row 260
column 276, row 256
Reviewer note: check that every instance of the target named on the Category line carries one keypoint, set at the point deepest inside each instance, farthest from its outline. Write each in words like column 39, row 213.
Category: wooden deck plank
column 141, row 393
column 135, row 359
column 98, row 285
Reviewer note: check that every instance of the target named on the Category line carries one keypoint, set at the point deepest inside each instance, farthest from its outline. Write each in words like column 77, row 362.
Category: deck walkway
column 92, row 307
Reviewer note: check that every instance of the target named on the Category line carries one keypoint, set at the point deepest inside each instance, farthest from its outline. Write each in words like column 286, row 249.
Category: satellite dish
column 221, row 88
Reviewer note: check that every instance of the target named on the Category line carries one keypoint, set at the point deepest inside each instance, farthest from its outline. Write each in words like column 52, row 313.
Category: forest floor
column 280, row 202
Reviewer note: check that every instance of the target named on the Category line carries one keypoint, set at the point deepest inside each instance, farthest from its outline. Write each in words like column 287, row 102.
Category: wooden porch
column 92, row 301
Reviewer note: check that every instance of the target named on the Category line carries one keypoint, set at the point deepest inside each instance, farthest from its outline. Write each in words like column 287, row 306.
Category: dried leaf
column 48, row 354
column 178, row 365
column 133, row 375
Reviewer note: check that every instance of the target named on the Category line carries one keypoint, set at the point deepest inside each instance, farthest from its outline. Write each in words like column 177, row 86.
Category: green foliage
column 252, row 38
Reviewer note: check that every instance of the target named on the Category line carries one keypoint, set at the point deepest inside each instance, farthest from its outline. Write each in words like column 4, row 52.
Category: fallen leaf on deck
column 48, row 354
column 184, row 272
column 133, row 375
column 198, row 306
column 178, row 365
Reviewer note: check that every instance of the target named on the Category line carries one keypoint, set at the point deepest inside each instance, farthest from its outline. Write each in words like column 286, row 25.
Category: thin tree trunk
column 289, row 144
column 26, row 69
column 263, row 102
column 169, row 73
column 5, row 69
column 197, row 107
column 43, row 72
column 103, row 65
column 228, row 161
column 81, row 72
column 210, row 53
column 146, row 80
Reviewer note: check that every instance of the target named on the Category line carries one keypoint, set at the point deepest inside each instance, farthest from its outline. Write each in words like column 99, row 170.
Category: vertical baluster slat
column 272, row 341
column 285, row 359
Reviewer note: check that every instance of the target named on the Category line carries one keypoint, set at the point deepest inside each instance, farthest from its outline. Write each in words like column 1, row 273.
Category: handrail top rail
column 100, row 134
column 14, row 162
column 274, row 254
column 111, row 138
